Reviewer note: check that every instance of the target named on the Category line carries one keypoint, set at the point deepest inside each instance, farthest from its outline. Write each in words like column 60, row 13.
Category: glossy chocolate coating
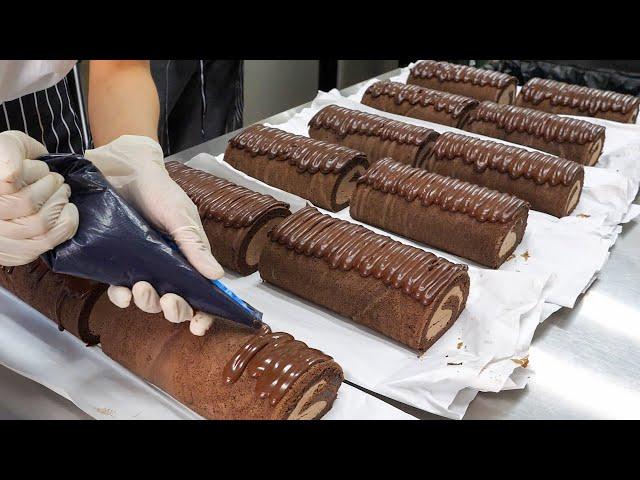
column 220, row 200
column 454, row 105
column 583, row 99
column 275, row 360
column 347, row 246
column 449, row 194
column 449, row 72
column 306, row 154
column 514, row 161
column 344, row 121
column 547, row 126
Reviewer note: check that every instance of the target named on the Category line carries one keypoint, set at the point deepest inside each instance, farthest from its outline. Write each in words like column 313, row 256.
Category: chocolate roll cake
column 563, row 98
column 64, row 299
column 235, row 219
column 321, row 172
column 573, row 139
column 376, row 136
column 417, row 102
column 232, row 372
column 550, row 184
column 405, row 293
column 468, row 81
column 468, row 220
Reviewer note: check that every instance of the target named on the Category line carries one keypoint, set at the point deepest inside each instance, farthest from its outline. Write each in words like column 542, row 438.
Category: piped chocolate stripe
column 514, row 161
column 307, row 154
column 449, row 194
column 453, row 104
column 344, row 121
column 550, row 127
column 221, row 200
column 449, row 72
column 347, row 246
column 582, row 98
column 275, row 360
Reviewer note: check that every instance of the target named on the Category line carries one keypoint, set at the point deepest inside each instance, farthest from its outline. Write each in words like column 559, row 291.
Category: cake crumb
column 460, row 345
column 523, row 362
column 526, row 255
column 583, row 215
column 452, row 363
column 106, row 411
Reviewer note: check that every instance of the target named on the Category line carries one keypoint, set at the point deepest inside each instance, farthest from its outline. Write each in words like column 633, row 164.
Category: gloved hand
column 134, row 166
column 35, row 213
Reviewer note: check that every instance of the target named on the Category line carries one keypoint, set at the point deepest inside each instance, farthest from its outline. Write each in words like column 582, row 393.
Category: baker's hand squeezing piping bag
column 116, row 246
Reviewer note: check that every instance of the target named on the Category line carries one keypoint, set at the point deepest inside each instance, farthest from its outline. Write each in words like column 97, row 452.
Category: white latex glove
column 35, row 213
column 134, row 166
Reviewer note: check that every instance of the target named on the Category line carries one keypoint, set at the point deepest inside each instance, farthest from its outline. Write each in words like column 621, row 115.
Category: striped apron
column 51, row 116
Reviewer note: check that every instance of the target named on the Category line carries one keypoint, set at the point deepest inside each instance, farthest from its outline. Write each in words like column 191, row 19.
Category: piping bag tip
column 252, row 312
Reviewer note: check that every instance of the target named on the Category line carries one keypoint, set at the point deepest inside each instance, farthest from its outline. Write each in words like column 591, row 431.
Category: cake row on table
column 389, row 174
column 546, row 95
column 233, row 372
column 577, row 140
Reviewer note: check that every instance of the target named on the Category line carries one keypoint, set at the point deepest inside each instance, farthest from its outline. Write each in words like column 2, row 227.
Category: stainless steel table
column 586, row 360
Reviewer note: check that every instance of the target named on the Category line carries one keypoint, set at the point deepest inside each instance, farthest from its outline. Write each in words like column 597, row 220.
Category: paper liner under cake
column 236, row 220
column 563, row 98
column 464, row 80
column 417, row 102
column 576, row 140
column 321, row 172
column 378, row 137
column 468, row 220
column 550, row 184
column 400, row 291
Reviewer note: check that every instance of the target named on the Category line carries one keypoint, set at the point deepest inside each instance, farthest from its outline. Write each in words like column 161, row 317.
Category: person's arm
column 123, row 100
column 123, row 112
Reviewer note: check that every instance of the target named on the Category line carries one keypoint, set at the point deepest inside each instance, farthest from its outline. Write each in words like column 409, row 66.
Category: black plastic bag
column 602, row 74
column 116, row 246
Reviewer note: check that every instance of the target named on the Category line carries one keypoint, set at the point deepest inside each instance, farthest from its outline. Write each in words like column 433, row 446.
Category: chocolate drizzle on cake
column 448, row 72
column 585, row 99
column 447, row 193
column 275, row 360
column 550, row 127
column 307, row 154
column 454, row 105
column 514, row 161
column 220, row 200
column 343, row 121
column 347, row 246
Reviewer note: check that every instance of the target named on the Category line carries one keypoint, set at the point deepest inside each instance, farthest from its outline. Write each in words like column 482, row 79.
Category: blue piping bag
column 116, row 246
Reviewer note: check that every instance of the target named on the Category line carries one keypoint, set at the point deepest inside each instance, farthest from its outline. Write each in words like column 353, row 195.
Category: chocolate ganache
column 347, row 246
column 220, row 200
column 307, row 154
column 584, row 99
column 344, row 121
column 448, row 72
column 453, row 104
column 516, row 162
column 550, row 127
column 275, row 360
column 449, row 194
